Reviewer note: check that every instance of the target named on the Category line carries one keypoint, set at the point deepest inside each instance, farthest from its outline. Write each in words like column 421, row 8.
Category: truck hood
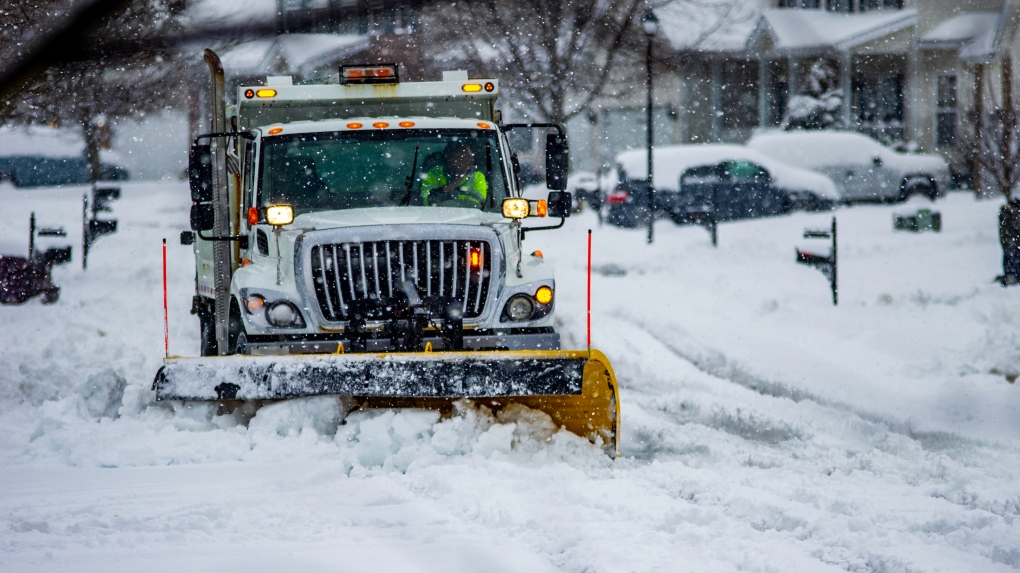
column 395, row 216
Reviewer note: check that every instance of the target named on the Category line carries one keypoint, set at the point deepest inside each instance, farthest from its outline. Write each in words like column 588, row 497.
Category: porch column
column 716, row 98
column 763, row 94
column 845, row 79
column 793, row 68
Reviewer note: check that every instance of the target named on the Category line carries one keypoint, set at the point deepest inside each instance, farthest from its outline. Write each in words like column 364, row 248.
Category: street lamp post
column 651, row 25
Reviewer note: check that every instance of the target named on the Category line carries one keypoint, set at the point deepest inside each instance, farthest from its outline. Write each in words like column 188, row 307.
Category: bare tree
column 555, row 56
column 998, row 139
column 89, row 85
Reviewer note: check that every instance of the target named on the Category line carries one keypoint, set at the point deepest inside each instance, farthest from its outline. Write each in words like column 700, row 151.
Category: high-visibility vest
column 473, row 188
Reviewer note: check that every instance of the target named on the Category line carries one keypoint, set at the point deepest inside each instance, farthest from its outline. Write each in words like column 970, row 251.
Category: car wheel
column 917, row 186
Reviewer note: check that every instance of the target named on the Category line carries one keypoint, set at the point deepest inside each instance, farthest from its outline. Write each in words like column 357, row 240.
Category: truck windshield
column 357, row 169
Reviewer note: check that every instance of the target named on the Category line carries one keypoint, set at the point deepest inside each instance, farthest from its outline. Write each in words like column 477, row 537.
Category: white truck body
column 328, row 258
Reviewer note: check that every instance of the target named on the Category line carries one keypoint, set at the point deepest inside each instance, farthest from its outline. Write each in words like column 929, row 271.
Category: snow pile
column 762, row 428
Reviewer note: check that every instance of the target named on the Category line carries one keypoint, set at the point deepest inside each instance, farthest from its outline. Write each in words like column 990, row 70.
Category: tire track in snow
column 838, row 455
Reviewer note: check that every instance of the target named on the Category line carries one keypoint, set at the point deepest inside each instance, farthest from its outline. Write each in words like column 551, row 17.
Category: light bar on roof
column 376, row 74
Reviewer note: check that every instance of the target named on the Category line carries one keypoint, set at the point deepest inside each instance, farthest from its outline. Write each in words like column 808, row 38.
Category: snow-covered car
column 627, row 203
column 42, row 156
column 862, row 168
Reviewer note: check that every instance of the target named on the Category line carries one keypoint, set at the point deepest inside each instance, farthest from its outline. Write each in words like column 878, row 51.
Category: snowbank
column 763, row 429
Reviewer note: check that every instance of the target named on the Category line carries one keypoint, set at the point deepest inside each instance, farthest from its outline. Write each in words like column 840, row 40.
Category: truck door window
column 249, row 174
column 350, row 170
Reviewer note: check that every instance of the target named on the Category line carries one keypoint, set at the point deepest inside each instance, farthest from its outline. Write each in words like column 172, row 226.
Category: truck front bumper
column 542, row 339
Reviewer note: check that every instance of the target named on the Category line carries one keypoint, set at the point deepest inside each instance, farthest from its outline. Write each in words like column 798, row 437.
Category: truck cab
column 371, row 215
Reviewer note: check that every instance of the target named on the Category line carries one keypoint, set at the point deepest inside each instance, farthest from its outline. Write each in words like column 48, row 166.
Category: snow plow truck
column 363, row 237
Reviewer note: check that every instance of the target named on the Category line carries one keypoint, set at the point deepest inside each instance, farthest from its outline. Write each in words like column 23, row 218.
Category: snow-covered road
column 763, row 429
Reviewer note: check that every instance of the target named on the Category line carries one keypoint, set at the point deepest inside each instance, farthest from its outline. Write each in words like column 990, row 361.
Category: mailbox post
column 826, row 264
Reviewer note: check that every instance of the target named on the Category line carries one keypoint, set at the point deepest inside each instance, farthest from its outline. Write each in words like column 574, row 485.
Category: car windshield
column 358, row 169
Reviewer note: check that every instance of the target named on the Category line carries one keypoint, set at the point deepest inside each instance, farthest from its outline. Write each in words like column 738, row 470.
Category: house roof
column 708, row 26
column 959, row 29
column 987, row 45
column 801, row 30
column 294, row 54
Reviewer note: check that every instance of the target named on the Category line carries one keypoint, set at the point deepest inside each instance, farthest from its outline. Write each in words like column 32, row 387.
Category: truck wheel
column 236, row 339
column 207, row 333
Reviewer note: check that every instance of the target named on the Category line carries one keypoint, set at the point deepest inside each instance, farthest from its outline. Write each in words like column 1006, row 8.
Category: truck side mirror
column 200, row 173
column 202, row 217
column 557, row 158
column 559, row 203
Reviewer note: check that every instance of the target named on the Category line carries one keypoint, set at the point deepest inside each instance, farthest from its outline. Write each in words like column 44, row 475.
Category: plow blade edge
column 577, row 389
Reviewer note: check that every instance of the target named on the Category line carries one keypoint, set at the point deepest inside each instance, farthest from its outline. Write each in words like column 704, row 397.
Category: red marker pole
column 166, row 323
column 589, row 290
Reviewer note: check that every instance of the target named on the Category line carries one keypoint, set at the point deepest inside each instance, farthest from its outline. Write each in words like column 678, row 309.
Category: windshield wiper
column 410, row 179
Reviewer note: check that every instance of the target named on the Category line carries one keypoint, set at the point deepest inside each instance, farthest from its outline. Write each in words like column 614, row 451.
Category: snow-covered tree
column 818, row 102
column 87, row 71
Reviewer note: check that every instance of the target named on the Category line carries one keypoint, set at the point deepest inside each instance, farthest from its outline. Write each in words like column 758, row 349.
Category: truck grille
column 450, row 271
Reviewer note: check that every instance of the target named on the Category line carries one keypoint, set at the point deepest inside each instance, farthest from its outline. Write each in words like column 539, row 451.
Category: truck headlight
column 279, row 215
column 520, row 307
column 516, row 208
column 283, row 314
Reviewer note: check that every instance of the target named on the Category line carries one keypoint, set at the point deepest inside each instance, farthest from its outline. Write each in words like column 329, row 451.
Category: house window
column 878, row 106
column 739, row 94
column 871, row 5
column 945, row 118
column 839, row 5
column 799, row 3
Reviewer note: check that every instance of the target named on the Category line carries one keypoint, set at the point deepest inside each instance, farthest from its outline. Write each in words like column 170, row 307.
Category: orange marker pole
column 166, row 323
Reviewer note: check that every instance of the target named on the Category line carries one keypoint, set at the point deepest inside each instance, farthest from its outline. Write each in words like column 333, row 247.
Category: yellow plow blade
column 576, row 388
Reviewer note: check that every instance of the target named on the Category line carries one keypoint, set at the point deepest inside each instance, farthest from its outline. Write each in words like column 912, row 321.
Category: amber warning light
column 475, row 258
column 378, row 74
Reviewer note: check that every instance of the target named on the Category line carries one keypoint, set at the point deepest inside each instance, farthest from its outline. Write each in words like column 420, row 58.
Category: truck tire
column 207, row 333
column 236, row 338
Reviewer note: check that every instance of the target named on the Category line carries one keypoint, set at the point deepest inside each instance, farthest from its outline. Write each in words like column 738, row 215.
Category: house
column 908, row 72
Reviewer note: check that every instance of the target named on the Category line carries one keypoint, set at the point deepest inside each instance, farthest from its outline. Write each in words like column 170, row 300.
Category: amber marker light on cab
column 276, row 131
column 484, row 125
column 544, row 295
column 515, row 208
column 278, row 215
column 406, row 124
column 354, row 125
column 471, row 88
column 266, row 93
column 380, row 124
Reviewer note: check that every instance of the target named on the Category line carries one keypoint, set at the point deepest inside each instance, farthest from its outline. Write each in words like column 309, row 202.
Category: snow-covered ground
column 763, row 428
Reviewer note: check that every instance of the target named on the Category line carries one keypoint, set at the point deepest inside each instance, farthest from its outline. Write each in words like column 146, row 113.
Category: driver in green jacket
column 457, row 180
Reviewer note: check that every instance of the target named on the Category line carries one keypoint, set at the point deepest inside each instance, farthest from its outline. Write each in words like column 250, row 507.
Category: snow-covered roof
column 959, row 29
column 293, row 54
column 232, row 12
column 793, row 30
column 720, row 26
column 986, row 45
